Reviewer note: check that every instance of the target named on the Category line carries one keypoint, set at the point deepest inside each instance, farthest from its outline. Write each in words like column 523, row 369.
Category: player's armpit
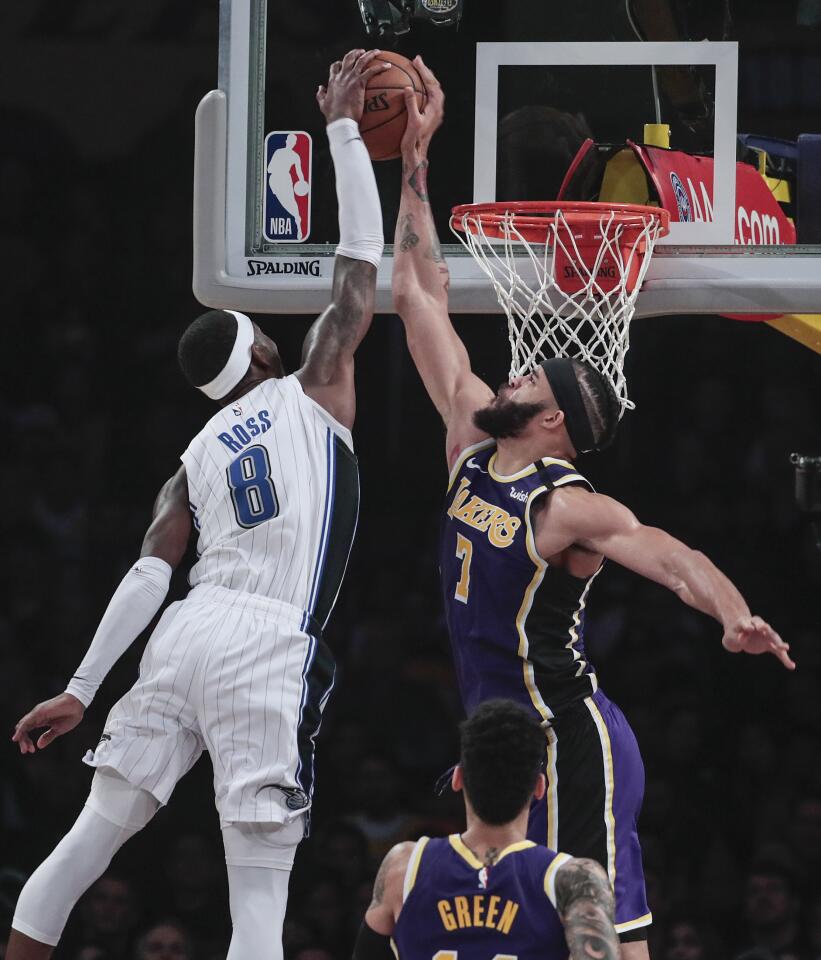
column 327, row 371
column 170, row 530
column 584, row 901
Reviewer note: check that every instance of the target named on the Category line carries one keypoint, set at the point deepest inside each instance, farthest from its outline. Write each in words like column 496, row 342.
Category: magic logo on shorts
column 287, row 213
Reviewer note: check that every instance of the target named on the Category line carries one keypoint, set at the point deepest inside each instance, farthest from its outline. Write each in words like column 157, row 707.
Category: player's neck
column 487, row 841
column 245, row 387
column 515, row 453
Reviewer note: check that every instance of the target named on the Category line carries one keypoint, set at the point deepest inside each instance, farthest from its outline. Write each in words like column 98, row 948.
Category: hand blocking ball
column 385, row 117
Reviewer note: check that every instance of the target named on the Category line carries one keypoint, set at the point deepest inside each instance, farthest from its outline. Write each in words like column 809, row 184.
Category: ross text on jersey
column 240, row 436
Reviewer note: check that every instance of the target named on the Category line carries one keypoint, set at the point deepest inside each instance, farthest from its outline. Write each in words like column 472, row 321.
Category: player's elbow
column 411, row 300
column 366, row 249
column 351, row 309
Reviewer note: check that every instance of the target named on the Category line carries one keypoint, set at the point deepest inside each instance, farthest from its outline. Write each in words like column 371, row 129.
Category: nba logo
column 287, row 215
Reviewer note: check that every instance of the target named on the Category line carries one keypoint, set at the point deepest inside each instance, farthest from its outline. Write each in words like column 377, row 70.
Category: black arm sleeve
column 371, row 945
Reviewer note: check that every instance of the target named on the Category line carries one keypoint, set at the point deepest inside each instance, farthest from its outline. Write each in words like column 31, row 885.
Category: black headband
column 562, row 379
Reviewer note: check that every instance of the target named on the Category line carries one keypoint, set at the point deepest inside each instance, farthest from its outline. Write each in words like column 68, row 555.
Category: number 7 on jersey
column 464, row 552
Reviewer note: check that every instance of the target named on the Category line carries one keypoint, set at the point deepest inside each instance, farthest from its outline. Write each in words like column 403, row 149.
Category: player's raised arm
column 420, row 282
column 327, row 368
column 585, row 905
column 600, row 524
column 133, row 606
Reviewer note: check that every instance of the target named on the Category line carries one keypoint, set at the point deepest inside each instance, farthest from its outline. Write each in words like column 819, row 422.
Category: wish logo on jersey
column 287, row 214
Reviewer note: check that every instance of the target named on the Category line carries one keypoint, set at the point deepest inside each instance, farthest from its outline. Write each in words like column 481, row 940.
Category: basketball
column 385, row 117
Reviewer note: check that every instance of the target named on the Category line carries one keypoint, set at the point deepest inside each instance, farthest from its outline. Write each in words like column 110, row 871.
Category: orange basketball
column 385, row 117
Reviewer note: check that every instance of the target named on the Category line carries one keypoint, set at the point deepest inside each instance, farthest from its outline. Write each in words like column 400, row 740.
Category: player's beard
column 504, row 419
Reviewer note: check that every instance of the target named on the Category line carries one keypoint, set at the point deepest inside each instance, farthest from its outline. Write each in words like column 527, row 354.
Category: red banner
column 685, row 187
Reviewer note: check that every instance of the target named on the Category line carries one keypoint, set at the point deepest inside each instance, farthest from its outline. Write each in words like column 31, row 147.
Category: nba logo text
column 287, row 214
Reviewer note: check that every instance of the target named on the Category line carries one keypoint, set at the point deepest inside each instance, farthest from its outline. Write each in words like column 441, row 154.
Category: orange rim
column 533, row 219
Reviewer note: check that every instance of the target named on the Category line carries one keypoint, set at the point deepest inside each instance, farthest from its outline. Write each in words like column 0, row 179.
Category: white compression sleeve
column 360, row 212
column 259, row 858
column 114, row 812
column 136, row 600
column 258, row 897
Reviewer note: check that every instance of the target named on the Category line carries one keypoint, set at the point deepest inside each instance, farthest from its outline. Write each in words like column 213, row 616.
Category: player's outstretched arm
column 374, row 939
column 603, row 525
column 327, row 372
column 134, row 604
column 585, row 905
column 420, row 282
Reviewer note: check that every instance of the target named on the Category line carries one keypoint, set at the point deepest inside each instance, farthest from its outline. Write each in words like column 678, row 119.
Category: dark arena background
column 96, row 110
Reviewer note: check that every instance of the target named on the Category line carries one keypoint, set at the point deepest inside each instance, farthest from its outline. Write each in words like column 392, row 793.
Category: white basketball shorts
column 236, row 674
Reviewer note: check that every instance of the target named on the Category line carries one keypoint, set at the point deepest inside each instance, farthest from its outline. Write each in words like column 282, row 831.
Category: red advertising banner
column 685, row 187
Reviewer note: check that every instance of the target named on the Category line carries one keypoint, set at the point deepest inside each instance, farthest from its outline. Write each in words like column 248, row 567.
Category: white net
column 585, row 312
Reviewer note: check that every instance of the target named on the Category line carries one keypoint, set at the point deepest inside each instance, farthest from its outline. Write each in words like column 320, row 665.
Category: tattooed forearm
column 409, row 234
column 590, row 934
column 585, row 904
column 340, row 328
column 418, row 179
column 409, row 239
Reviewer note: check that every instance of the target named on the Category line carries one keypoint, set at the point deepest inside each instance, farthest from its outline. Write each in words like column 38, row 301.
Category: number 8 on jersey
column 252, row 489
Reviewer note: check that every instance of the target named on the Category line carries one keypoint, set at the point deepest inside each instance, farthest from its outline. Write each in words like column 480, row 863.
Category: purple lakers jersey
column 453, row 902
column 516, row 624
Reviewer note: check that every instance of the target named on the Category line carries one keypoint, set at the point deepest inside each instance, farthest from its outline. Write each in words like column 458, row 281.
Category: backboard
column 527, row 85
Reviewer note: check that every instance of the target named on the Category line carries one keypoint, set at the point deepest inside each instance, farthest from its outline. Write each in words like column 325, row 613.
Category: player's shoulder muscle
column 574, row 514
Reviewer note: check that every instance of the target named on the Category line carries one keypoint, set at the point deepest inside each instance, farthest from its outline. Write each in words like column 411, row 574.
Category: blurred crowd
column 94, row 415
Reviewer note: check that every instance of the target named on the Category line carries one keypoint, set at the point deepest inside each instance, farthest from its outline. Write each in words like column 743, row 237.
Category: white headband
column 238, row 363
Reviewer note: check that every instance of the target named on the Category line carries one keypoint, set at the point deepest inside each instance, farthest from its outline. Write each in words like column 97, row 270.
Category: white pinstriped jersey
column 274, row 492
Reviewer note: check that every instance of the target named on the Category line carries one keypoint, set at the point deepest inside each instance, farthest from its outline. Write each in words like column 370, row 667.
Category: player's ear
column 457, row 781
column 541, row 787
column 551, row 419
column 265, row 356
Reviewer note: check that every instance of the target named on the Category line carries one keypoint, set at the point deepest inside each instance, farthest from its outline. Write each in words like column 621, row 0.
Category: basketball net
column 567, row 275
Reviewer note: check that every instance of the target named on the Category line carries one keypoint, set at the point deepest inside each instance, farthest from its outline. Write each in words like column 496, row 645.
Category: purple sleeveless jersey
column 516, row 624
column 454, row 903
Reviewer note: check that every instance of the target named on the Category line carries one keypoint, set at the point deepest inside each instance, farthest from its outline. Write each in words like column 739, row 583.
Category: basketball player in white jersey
column 239, row 667
column 279, row 176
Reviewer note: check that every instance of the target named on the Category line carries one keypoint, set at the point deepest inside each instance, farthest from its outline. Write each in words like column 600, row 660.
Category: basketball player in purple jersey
column 523, row 537
column 239, row 667
column 489, row 891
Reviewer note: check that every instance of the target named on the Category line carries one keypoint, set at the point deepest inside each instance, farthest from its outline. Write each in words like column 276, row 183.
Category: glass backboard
column 537, row 103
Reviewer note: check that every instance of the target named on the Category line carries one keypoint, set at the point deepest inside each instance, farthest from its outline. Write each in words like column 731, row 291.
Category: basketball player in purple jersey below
column 239, row 667
column 489, row 891
column 523, row 537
